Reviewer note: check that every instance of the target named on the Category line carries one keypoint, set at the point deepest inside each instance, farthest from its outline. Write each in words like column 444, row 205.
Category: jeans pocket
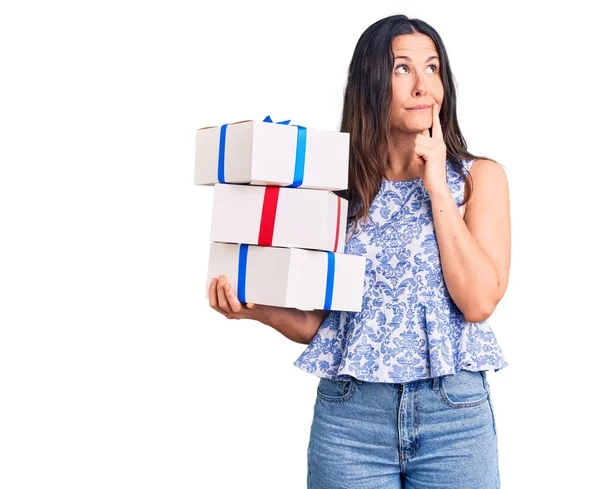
column 464, row 389
column 335, row 390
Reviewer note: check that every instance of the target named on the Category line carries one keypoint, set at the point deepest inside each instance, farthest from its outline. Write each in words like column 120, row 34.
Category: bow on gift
column 300, row 153
column 242, row 262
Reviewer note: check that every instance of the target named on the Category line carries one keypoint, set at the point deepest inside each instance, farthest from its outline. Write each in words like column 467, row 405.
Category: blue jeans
column 425, row 434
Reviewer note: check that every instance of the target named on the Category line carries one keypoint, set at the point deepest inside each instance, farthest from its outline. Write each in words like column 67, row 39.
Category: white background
column 115, row 372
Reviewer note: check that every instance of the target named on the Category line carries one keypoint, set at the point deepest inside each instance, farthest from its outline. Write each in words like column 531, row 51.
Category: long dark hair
column 367, row 110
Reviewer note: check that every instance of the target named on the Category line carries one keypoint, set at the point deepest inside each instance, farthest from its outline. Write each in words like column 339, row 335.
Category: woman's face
column 416, row 80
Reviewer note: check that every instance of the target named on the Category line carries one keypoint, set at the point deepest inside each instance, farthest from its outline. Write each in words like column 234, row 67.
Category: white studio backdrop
column 114, row 370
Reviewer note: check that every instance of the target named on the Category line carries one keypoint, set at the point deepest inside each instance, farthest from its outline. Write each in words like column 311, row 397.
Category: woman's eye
column 405, row 66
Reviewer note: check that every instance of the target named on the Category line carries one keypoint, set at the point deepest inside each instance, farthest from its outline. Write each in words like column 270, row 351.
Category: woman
column 403, row 399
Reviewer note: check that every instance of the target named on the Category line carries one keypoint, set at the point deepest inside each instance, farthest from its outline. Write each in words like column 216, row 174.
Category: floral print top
column 409, row 328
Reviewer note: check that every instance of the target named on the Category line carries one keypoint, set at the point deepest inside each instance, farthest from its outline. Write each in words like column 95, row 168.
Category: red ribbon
column 337, row 224
column 267, row 220
column 269, row 211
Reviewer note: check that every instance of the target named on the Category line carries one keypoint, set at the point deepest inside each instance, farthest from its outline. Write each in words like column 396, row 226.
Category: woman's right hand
column 295, row 324
column 223, row 299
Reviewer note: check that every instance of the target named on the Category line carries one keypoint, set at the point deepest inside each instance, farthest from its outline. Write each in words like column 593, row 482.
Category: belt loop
column 436, row 383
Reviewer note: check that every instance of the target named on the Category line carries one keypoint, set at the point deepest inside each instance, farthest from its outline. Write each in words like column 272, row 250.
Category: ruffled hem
column 346, row 373
column 471, row 347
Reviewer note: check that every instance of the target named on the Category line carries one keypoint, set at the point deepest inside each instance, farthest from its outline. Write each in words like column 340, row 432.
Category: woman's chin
column 412, row 128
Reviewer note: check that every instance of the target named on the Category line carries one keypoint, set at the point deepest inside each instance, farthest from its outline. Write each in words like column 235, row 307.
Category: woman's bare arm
column 316, row 318
column 295, row 324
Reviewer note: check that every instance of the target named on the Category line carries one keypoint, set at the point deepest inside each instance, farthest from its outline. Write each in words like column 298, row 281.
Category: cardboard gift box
column 290, row 277
column 279, row 216
column 266, row 153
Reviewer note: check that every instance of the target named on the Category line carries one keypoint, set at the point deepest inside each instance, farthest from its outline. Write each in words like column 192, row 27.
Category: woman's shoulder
column 484, row 165
column 489, row 179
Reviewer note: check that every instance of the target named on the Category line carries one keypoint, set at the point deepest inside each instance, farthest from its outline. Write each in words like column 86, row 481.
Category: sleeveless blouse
column 409, row 328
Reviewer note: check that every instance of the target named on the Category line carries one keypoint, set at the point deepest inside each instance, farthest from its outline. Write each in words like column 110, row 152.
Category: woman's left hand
column 431, row 153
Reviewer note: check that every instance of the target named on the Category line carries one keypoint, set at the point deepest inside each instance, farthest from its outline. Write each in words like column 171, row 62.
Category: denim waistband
column 434, row 382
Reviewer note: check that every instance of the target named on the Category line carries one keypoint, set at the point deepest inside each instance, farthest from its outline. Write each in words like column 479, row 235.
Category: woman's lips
column 423, row 108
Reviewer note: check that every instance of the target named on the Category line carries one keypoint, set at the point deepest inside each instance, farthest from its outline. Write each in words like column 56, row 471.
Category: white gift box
column 279, row 216
column 289, row 277
column 266, row 153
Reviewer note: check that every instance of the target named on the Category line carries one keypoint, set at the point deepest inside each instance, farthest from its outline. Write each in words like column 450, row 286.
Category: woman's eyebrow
column 426, row 61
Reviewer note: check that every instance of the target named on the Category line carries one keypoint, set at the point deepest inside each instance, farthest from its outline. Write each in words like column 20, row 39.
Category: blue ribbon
column 330, row 275
column 242, row 262
column 242, row 265
column 300, row 153
column 221, row 170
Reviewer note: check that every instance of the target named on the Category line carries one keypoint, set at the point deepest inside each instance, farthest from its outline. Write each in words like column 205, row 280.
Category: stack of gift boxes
column 277, row 230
